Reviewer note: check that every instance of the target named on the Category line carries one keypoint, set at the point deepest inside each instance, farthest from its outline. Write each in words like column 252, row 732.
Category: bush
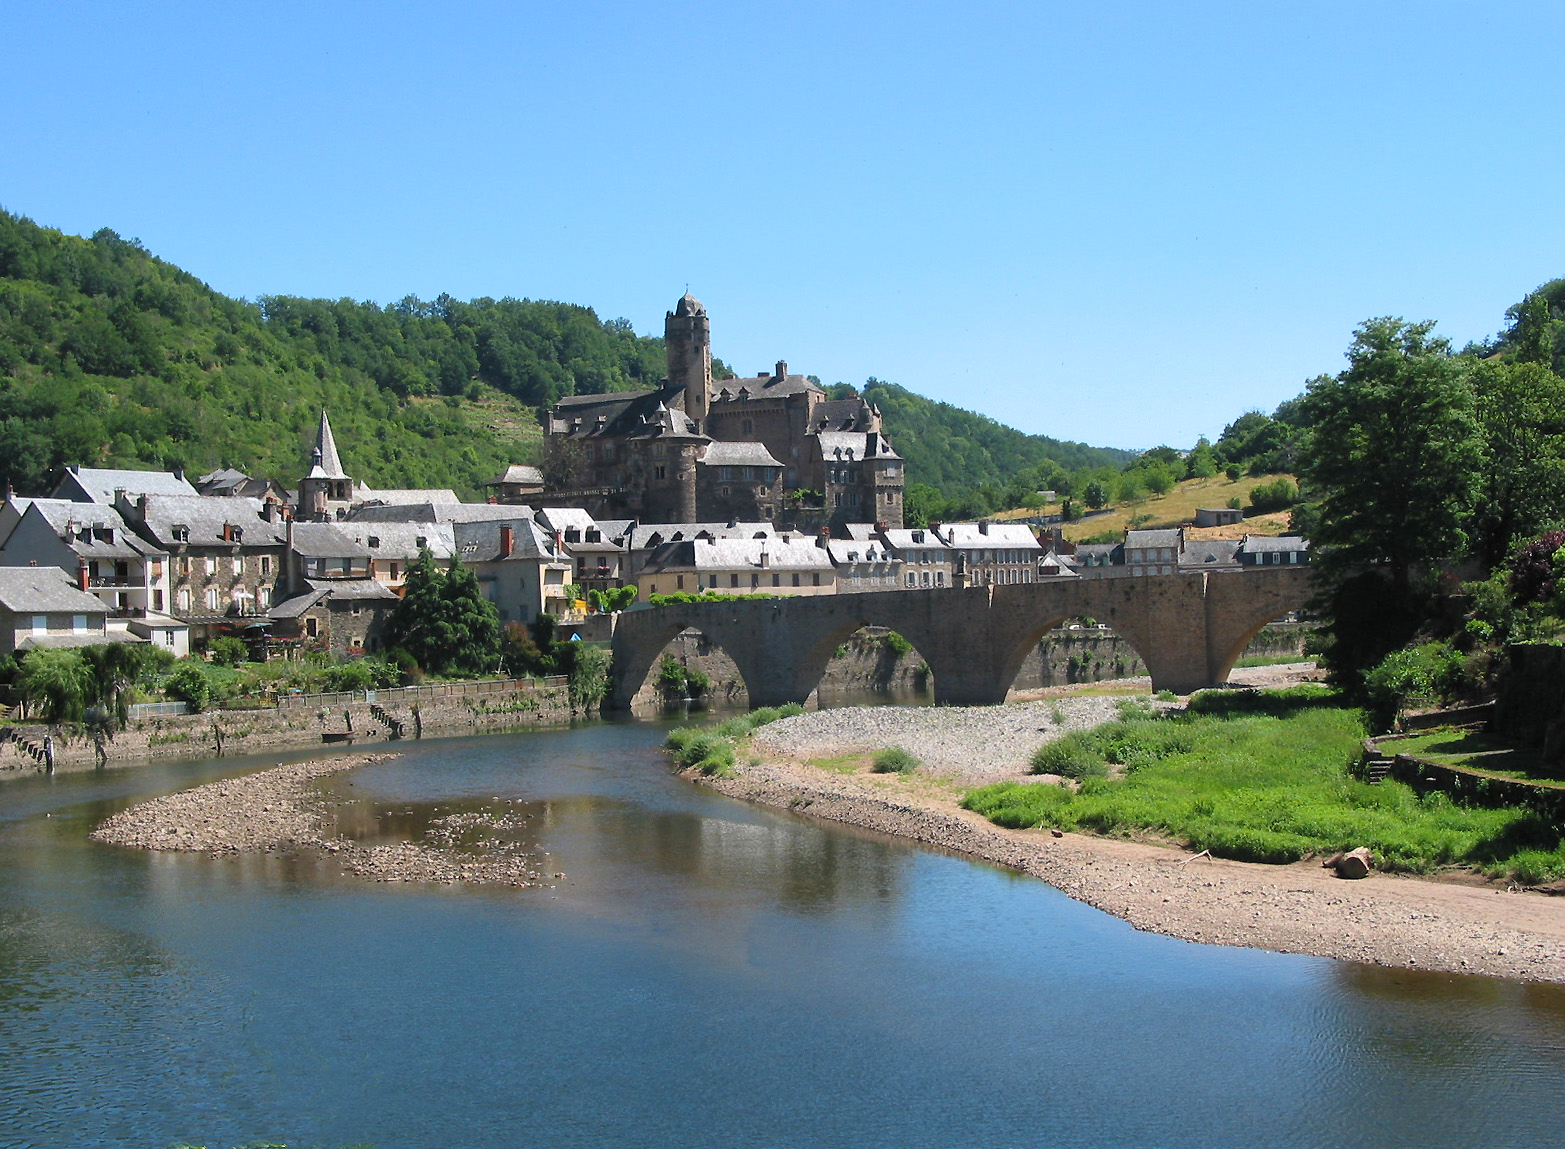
column 894, row 760
column 190, row 683
column 228, row 651
column 1278, row 495
column 898, row 645
column 1072, row 756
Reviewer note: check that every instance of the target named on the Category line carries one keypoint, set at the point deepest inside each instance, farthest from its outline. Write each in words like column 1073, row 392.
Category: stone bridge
column 1188, row 628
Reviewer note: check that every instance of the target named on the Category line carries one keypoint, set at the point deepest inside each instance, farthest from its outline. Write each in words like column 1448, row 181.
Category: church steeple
column 326, row 492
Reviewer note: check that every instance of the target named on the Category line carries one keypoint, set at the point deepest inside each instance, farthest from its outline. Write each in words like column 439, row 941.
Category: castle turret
column 687, row 336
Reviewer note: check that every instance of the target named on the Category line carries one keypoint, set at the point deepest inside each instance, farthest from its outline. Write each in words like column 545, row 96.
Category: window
column 912, row 578
column 940, row 578
column 211, row 565
column 78, row 624
column 777, row 580
column 396, row 571
column 679, row 581
column 733, row 580
column 184, row 600
column 168, row 638
column 266, row 563
column 817, row 578
column 748, row 427
column 795, row 580
column 924, row 578
column 157, row 601
column 755, row 580
column 211, row 598
column 40, row 624
column 239, row 565
column 312, row 628
column 660, row 472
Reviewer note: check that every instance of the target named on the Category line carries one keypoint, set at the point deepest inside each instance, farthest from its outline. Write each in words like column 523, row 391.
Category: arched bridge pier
column 1189, row 629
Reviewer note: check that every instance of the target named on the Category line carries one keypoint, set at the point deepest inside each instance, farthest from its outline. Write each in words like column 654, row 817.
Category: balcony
column 122, row 583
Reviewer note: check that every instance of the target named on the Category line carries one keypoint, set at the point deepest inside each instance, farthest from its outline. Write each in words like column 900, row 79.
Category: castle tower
column 326, row 492
column 687, row 336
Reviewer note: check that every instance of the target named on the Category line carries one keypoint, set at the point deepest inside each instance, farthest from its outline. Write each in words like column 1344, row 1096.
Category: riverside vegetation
column 711, row 749
column 1263, row 777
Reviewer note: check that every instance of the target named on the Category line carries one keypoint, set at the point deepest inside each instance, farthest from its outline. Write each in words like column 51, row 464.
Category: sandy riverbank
column 282, row 810
column 1460, row 926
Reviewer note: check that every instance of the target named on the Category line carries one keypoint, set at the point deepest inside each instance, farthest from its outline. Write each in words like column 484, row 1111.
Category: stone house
column 225, row 557
column 598, row 557
column 777, row 565
column 518, row 565
column 925, row 559
column 864, row 565
column 1154, row 552
column 641, row 541
column 345, row 616
column 393, row 547
column 1283, row 550
column 991, row 553
column 519, row 484
column 43, row 607
column 92, row 545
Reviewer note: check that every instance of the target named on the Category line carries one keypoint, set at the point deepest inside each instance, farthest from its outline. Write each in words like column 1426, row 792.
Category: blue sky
column 1120, row 223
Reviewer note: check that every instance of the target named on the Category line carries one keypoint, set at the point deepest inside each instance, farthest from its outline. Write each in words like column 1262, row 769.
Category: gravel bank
column 280, row 810
column 1465, row 926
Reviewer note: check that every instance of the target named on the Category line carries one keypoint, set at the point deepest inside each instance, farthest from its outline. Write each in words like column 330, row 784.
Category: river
column 705, row 973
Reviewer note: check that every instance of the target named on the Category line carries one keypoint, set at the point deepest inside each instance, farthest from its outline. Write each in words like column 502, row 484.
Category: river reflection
column 704, row 971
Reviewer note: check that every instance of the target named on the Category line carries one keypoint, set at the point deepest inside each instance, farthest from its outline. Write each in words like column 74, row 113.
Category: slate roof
column 842, row 415
column 1171, row 537
column 326, row 541
column 624, row 414
column 357, row 589
column 731, row 454
column 480, row 542
column 45, row 590
column 902, row 539
column 205, row 516
column 844, row 551
column 1210, row 552
column 762, row 387
column 324, row 461
column 969, row 536
column 92, row 484
column 1255, row 544
column 439, row 513
column 563, row 518
column 67, row 641
column 854, row 445
column 639, row 536
column 401, row 540
column 83, row 527
column 406, row 496
column 783, row 554
column 1112, row 553
column 519, row 474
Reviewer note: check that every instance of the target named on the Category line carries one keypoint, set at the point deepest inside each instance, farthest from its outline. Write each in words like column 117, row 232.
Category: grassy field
column 1267, row 786
column 1176, row 507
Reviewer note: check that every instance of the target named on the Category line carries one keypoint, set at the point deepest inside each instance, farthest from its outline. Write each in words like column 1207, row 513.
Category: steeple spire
column 325, row 455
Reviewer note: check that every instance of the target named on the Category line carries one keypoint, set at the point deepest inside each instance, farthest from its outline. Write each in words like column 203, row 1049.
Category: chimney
column 142, row 502
column 766, row 559
column 823, row 538
column 119, row 495
column 82, row 579
column 228, row 532
column 983, row 526
column 871, row 445
column 782, row 369
column 559, row 542
column 180, row 475
column 507, row 541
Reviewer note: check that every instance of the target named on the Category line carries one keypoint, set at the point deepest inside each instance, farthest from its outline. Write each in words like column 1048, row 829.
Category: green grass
column 711, row 749
column 1471, row 750
column 1265, row 778
column 1271, row 660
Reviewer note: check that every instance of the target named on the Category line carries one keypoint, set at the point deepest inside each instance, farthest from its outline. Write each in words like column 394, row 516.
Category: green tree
column 444, row 621
column 1392, row 454
column 1521, row 415
column 56, row 685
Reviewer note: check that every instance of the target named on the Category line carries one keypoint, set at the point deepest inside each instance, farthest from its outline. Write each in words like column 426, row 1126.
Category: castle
column 766, row 448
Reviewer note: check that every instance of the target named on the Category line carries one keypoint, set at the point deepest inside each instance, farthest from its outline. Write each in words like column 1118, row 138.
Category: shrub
column 898, row 645
column 1277, row 495
column 190, row 683
column 228, row 651
column 1072, row 756
column 895, row 760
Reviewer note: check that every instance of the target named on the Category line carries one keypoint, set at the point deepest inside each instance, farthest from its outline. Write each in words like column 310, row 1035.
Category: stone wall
column 235, row 732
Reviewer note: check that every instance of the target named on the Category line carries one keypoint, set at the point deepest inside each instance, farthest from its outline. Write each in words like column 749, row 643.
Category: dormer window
column 181, row 534
column 374, row 540
column 421, row 542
